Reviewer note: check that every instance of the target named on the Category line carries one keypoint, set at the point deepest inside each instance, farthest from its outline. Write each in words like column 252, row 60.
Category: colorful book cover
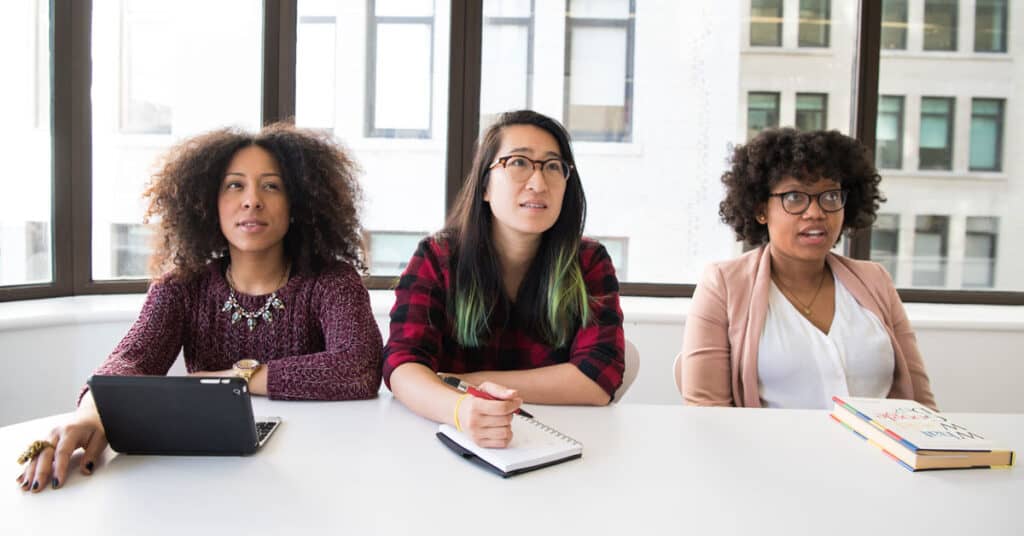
column 914, row 425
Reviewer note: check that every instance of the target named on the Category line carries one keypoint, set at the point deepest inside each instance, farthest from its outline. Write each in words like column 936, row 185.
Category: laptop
column 173, row 415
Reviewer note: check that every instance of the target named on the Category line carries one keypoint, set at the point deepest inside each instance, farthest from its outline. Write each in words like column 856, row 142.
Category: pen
column 467, row 388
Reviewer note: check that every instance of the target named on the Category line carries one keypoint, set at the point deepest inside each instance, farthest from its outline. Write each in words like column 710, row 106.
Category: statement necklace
column 805, row 309
column 238, row 312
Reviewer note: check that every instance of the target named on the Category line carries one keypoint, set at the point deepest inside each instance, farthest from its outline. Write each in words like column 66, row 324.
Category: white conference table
column 373, row 467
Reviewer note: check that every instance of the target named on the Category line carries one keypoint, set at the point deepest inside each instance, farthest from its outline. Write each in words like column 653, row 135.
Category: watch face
column 246, row 364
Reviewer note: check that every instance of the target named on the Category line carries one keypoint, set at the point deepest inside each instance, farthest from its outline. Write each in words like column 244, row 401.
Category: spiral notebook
column 534, row 445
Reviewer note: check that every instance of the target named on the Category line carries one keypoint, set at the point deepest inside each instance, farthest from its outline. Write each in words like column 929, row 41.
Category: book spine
column 872, row 422
column 870, row 442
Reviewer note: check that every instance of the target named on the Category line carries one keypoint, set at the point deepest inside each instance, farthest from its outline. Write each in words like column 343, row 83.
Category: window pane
column 25, row 206
column 980, row 252
column 811, row 111
column 940, row 24
column 930, row 247
column 703, row 88
column 599, row 79
column 762, row 112
column 814, row 23
column 986, row 134
column 507, row 8
column 599, row 9
column 936, row 133
column 990, row 26
column 889, row 132
column 885, row 242
column 766, row 23
column 386, row 99
column 894, row 24
column 147, row 95
column 506, row 77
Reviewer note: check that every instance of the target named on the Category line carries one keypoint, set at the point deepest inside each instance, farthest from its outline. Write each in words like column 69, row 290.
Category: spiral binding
column 550, row 430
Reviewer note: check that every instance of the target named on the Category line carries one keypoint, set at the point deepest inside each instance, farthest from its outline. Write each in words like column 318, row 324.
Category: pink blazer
column 718, row 363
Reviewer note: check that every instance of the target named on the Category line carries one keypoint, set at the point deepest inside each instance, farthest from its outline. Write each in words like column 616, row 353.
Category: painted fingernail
column 89, row 466
column 56, row 483
column 20, row 478
column 35, row 485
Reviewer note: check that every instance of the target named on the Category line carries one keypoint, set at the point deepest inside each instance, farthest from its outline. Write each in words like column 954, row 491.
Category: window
column 811, row 111
column 889, row 132
column 130, row 249
column 27, row 184
column 506, row 79
column 885, row 242
column 762, row 112
column 936, row 151
column 158, row 95
column 618, row 249
column 990, row 25
column 403, row 171
column 894, row 24
column 987, row 135
column 980, row 252
column 599, row 70
column 940, row 22
column 389, row 251
column 815, row 19
column 400, row 52
column 931, row 235
column 765, row 23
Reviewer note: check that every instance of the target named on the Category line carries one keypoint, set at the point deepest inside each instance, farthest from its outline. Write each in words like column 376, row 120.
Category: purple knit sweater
column 324, row 345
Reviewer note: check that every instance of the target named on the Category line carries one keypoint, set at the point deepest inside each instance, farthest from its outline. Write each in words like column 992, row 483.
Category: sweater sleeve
column 907, row 341
column 598, row 347
column 418, row 315
column 349, row 367
column 705, row 371
column 156, row 337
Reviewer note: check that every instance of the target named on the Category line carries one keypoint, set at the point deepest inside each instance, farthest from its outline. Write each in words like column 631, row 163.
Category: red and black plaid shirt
column 422, row 327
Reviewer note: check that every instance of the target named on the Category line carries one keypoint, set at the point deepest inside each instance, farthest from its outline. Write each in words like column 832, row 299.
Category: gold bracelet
column 457, row 404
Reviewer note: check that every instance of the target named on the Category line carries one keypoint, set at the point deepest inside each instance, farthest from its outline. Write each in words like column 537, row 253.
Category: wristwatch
column 245, row 368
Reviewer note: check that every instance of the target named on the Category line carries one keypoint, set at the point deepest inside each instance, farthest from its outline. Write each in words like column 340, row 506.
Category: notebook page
column 533, row 443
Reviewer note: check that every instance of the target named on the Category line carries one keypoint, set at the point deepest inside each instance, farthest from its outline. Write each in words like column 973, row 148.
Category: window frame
column 70, row 41
column 950, row 118
column 779, row 13
column 828, row 26
column 530, row 24
column 1000, row 121
column 904, row 20
column 954, row 29
column 900, row 118
column 823, row 110
column 777, row 95
column 1004, row 29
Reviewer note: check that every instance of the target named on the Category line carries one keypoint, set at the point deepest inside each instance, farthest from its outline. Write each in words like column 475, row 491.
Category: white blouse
column 799, row 367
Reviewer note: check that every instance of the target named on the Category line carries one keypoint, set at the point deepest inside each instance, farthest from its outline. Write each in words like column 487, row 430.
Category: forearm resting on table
column 554, row 384
column 424, row 393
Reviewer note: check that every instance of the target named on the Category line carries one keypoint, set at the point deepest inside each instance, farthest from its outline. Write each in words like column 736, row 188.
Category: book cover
column 915, row 425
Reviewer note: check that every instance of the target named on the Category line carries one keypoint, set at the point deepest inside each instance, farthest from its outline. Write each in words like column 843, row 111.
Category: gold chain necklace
column 805, row 309
column 238, row 312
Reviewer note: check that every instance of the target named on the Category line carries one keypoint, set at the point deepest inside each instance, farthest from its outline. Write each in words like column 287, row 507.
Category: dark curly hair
column 807, row 157
column 319, row 178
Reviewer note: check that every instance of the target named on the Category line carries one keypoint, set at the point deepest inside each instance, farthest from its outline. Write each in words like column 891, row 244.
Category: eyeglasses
column 797, row 203
column 520, row 168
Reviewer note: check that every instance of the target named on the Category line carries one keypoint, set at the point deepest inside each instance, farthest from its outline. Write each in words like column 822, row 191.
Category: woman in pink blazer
column 790, row 324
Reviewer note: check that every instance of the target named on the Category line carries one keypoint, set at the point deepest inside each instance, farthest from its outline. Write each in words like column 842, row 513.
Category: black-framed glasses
column 519, row 168
column 796, row 202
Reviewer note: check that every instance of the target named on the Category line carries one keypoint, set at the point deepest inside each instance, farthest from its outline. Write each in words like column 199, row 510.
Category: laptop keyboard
column 263, row 429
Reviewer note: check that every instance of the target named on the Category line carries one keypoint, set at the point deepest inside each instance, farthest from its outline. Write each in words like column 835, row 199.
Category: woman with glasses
column 791, row 323
column 508, row 296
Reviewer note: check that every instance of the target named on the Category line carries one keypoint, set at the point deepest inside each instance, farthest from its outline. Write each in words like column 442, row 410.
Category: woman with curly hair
column 509, row 295
column 258, row 247
column 790, row 323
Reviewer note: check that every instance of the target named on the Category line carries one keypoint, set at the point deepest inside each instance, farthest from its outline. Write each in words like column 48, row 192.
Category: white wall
column 49, row 347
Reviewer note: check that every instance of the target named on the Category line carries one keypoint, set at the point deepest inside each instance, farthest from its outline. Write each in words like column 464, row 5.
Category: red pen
column 467, row 388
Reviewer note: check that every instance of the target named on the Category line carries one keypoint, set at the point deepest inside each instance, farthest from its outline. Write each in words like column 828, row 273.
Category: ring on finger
column 33, row 450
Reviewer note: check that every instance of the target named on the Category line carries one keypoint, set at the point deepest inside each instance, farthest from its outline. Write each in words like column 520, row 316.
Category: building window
column 147, row 83
column 765, row 23
column 599, row 70
column 400, row 55
column 889, row 132
column 389, row 251
column 315, row 73
column 618, row 249
column 990, row 26
column 762, row 112
column 811, row 111
column 987, row 135
column 130, row 249
column 980, row 252
column 506, row 81
column 894, row 24
column 936, row 151
column 930, row 250
column 940, row 21
column 885, row 242
column 815, row 20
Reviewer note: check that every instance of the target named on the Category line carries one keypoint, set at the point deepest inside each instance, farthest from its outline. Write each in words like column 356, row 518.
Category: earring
column 761, row 219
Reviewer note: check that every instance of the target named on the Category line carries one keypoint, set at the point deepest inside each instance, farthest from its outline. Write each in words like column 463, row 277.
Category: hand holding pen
column 485, row 412
column 467, row 388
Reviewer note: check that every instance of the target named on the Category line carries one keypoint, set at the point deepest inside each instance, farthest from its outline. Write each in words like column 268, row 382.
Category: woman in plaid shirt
column 509, row 296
